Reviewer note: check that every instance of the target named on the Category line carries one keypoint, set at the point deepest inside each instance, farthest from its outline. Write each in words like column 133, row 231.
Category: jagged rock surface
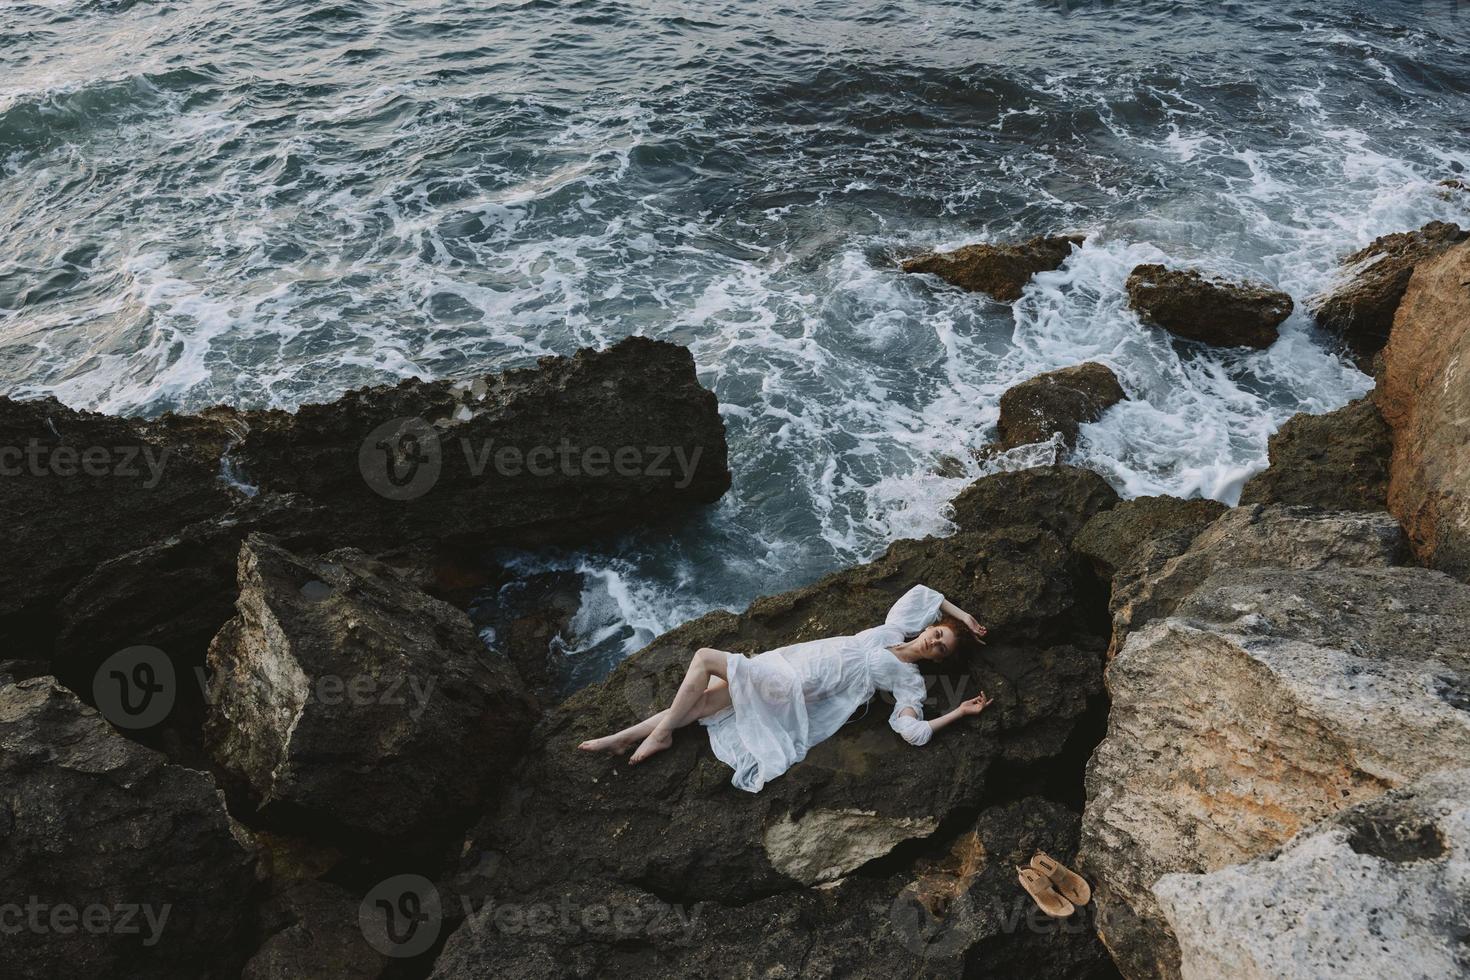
column 1361, row 311
column 1211, row 311
column 1271, row 699
column 1057, row 402
column 1169, row 567
column 94, row 823
column 1424, row 395
column 1380, row 890
column 1000, row 271
column 353, row 703
column 1336, row 461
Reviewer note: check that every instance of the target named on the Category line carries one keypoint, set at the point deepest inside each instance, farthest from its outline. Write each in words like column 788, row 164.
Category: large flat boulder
column 1167, row 568
column 601, row 440
column 1377, row 891
column 1271, row 699
column 859, row 808
column 1361, row 310
column 1425, row 398
column 1210, row 310
column 356, row 706
column 1336, row 461
column 121, row 864
column 1001, row 271
column 1058, row 402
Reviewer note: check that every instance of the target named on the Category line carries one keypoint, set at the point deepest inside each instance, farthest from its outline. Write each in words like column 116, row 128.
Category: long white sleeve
column 915, row 609
column 909, row 692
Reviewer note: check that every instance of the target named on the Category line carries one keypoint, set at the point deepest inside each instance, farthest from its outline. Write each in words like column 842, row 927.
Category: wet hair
column 964, row 639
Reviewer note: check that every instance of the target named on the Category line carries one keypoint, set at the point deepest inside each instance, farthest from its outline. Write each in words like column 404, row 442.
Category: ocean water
column 266, row 202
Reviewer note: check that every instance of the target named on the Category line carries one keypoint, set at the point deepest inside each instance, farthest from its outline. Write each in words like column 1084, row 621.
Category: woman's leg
column 716, row 698
column 705, row 666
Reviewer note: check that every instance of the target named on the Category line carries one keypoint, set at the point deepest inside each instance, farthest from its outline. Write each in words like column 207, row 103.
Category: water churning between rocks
column 268, row 203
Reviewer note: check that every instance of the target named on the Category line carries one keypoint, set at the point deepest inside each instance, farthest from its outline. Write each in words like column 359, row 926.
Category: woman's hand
column 973, row 626
column 975, row 705
column 948, row 608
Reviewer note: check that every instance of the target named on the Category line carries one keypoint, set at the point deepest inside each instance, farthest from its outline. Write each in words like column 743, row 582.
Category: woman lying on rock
column 764, row 712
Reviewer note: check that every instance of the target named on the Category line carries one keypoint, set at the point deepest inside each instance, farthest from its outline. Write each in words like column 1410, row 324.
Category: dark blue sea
column 267, row 202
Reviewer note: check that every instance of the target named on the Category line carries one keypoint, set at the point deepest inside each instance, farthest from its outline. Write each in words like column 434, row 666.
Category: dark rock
column 172, row 595
column 1336, row 461
column 1114, row 536
column 1211, row 311
column 101, row 825
column 355, row 704
column 124, row 530
column 314, row 935
column 598, row 441
column 1059, row 499
column 1362, row 310
column 956, row 911
column 1001, row 271
column 1057, row 401
column 83, row 488
column 674, row 832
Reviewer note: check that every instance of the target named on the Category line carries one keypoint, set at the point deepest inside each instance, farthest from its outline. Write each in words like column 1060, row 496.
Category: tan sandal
column 1047, row 898
column 1067, row 882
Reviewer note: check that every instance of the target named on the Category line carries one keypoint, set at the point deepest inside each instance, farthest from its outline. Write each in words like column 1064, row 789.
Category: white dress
column 784, row 701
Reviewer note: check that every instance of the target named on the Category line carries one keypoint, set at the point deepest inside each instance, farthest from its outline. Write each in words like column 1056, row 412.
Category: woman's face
column 938, row 642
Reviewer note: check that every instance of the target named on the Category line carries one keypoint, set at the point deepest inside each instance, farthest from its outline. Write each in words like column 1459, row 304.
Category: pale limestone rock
column 1270, row 700
column 824, row 845
column 1380, row 892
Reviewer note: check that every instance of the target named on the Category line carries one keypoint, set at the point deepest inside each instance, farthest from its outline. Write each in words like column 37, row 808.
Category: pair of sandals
column 1057, row 890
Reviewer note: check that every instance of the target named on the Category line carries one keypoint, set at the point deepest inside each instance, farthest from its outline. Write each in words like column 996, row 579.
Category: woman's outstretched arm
column 911, row 719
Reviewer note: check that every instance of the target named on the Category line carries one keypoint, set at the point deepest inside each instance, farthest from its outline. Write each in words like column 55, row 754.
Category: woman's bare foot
column 611, row 744
column 655, row 743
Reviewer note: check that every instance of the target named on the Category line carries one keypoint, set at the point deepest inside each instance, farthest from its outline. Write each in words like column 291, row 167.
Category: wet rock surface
column 1001, row 271
column 86, row 488
column 120, row 863
column 1057, row 402
column 1362, row 309
column 131, row 525
column 1337, row 461
column 1425, row 399
column 1209, row 310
